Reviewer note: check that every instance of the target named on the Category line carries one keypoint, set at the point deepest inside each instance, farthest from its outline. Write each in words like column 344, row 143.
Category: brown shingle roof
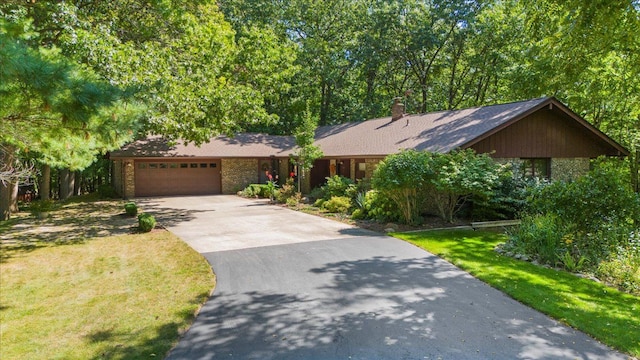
column 241, row 145
column 438, row 131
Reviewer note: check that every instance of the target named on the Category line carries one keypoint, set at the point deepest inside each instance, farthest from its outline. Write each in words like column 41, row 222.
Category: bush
column 540, row 237
column 379, row 207
column 337, row 186
column 337, row 204
column 41, row 207
column 107, row 191
column 257, row 190
column 286, row 192
column 622, row 270
column 131, row 209
column 146, row 222
column 507, row 199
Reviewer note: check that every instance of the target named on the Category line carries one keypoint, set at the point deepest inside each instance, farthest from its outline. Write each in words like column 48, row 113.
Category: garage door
column 154, row 178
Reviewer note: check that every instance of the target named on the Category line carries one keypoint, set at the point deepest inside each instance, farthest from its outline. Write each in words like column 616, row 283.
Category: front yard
column 611, row 316
column 72, row 290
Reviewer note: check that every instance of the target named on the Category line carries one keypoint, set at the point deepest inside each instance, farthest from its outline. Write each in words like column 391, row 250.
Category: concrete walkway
column 296, row 286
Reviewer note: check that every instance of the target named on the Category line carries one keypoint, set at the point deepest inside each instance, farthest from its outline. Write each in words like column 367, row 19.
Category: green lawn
column 116, row 297
column 605, row 313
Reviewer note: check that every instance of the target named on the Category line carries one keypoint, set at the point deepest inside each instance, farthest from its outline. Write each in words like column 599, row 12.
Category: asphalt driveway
column 296, row 286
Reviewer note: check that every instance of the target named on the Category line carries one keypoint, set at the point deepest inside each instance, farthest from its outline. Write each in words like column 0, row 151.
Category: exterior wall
column 352, row 170
column 238, row 173
column 283, row 170
column 544, row 134
column 569, row 169
column 129, row 183
column 564, row 169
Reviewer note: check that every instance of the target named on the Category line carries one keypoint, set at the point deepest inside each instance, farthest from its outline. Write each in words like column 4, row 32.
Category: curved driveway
column 296, row 286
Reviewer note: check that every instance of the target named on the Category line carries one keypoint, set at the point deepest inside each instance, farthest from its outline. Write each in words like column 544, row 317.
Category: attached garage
column 177, row 177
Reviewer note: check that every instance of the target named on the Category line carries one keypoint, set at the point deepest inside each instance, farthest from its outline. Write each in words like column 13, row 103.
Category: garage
column 177, row 177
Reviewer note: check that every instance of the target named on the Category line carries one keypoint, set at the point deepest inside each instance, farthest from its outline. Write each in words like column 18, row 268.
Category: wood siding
column 544, row 134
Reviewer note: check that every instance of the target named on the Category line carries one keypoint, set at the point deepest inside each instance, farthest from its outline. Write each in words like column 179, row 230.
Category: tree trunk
column 5, row 200
column 45, row 183
column 13, row 187
column 77, row 189
column 66, row 182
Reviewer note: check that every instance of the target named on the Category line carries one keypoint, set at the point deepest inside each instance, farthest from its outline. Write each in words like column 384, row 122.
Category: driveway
column 296, row 286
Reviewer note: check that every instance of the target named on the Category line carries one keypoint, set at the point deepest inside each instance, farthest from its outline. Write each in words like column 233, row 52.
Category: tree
column 307, row 152
column 54, row 108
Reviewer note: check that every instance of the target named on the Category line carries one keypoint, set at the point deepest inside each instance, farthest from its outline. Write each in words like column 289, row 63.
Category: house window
column 193, row 165
column 213, row 165
column 153, row 166
column 536, row 168
column 203, row 165
column 184, row 165
column 163, row 165
column 142, row 166
column 173, row 165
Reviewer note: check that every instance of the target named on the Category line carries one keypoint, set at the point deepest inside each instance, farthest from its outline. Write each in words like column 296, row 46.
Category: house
column 542, row 135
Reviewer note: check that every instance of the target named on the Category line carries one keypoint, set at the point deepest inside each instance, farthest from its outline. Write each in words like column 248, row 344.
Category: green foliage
column 337, row 204
column 131, row 209
column 507, row 199
column 146, row 222
column 540, row 236
column 286, row 192
column 42, row 206
column 258, row 190
column 106, row 191
column 338, row 186
column 623, row 269
column 378, row 206
column 417, row 181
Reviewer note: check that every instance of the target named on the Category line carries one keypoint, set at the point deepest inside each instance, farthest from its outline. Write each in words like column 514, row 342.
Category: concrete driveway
column 296, row 286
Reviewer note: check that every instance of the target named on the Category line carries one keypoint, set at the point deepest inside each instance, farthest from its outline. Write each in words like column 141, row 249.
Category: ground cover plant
column 605, row 313
column 92, row 296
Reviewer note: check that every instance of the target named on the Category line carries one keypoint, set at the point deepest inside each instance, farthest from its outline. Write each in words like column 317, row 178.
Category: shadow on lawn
column 582, row 303
column 126, row 345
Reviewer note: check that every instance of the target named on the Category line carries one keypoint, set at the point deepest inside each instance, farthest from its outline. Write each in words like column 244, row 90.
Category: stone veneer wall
column 569, row 168
column 237, row 174
column 129, row 179
column 283, row 170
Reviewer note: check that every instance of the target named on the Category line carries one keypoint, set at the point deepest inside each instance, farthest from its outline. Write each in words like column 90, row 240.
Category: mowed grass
column 605, row 313
column 118, row 297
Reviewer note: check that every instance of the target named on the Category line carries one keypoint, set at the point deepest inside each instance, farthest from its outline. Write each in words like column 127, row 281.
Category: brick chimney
column 397, row 109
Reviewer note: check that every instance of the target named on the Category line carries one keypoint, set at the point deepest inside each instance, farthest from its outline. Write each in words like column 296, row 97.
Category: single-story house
column 542, row 135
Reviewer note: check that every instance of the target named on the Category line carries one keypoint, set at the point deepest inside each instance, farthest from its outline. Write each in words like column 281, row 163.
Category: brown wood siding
column 169, row 177
column 544, row 134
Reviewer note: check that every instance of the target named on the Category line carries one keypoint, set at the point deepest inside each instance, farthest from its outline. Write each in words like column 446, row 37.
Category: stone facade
column 237, row 174
column 567, row 169
column 124, row 181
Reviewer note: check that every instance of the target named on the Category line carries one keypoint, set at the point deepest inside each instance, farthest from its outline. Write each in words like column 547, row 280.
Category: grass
column 113, row 297
column 611, row 316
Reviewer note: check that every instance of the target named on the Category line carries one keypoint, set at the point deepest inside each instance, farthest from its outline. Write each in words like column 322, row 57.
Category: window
column 163, row 165
column 153, row 166
column 193, row 165
column 173, row 165
column 203, row 165
column 184, row 166
column 212, row 165
column 142, row 166
column 536, row 168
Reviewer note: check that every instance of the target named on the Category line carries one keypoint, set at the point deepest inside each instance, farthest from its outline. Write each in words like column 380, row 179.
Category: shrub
column 286, row 192
column 507, row 198
column 257, row 190
column 622, row 270
column 338, row 186
column 131, row 209
column 379, row 207
column 107, row 191
column 146, row 222
column 41, row 207
column 337, row 204
column 540, row 237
